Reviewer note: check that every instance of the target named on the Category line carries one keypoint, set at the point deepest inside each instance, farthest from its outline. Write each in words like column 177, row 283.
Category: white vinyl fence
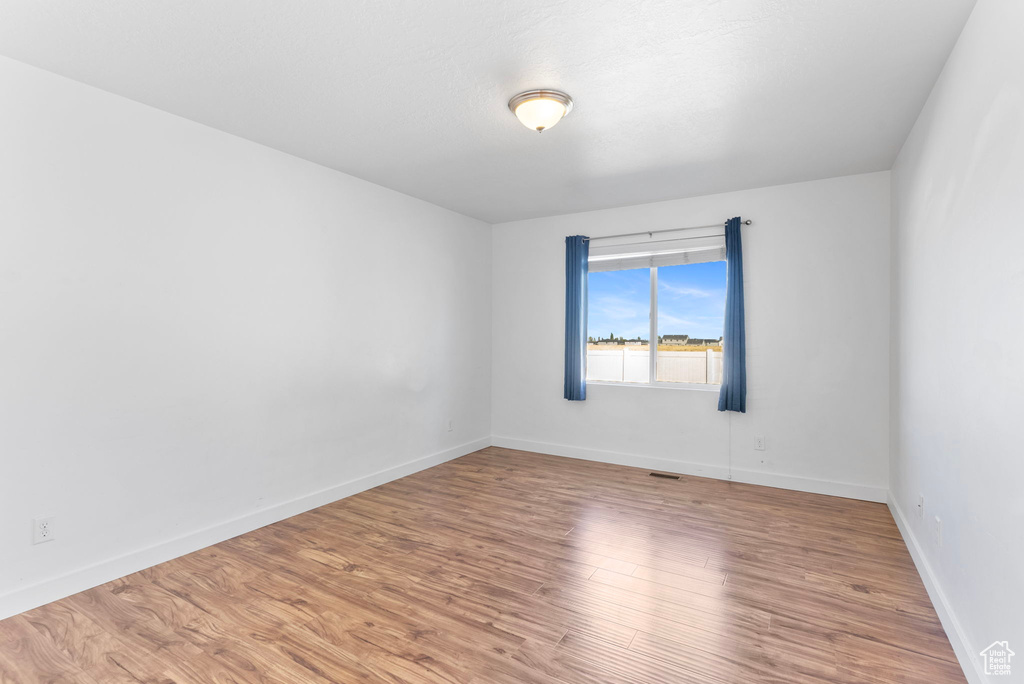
column 631, row 365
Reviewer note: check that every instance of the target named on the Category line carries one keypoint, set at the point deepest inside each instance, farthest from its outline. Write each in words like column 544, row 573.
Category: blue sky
column 691, row 301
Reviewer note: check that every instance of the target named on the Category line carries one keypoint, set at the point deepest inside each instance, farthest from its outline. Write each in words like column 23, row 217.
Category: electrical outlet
column 451, row 426
column 42, row 530
column 938, row 531
column 920, row 505
column 759, row 443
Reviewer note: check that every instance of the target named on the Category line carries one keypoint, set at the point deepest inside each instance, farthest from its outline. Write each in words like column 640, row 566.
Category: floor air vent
column 665, row 476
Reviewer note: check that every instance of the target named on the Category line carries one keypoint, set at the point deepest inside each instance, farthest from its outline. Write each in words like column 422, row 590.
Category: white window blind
column 686, row 250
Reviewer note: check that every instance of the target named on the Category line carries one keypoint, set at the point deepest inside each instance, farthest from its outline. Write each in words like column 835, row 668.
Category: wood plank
column 507, row 566
column 675, row 579
column 27, row 656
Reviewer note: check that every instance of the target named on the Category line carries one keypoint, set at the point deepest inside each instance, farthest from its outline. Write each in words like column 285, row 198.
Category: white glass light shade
column 539, row 110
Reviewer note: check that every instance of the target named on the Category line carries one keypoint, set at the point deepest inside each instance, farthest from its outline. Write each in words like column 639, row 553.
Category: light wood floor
column 506, row 567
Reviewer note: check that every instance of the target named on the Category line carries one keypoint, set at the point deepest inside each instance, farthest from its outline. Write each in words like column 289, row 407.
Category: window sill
column 694, row 387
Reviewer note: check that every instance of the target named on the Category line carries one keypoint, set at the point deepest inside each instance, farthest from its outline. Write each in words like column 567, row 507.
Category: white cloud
column 680, row 291
column 617, row 308
column 666, row 321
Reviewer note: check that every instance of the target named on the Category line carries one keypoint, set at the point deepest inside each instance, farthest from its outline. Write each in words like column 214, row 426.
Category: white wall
column 816, row 270
column 199, row 334
column 958, row 192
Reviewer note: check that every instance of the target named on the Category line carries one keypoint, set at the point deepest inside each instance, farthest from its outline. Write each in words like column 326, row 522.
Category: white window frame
column 652, row 344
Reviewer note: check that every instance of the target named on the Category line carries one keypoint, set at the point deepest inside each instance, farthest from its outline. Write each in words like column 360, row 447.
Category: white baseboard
column 56, row 588
column 965, row 653
column 847, row 490
column 49, row 590
column 800, row 484
column 615, row 457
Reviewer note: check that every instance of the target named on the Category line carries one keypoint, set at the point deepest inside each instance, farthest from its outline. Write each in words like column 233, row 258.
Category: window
column 674, row 296
column 619, row 326
column 691, row 316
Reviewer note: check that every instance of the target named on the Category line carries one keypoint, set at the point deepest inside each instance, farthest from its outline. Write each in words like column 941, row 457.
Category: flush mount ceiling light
column 539, row 110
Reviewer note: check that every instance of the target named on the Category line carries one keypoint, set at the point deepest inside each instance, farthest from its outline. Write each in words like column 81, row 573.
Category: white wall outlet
column 451, row 426
column 759, row 443
column 920, row 505
column 42, row 530
column 938, row 531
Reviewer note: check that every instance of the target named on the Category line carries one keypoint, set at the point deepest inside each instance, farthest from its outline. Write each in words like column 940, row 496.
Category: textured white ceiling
column 674, row 98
